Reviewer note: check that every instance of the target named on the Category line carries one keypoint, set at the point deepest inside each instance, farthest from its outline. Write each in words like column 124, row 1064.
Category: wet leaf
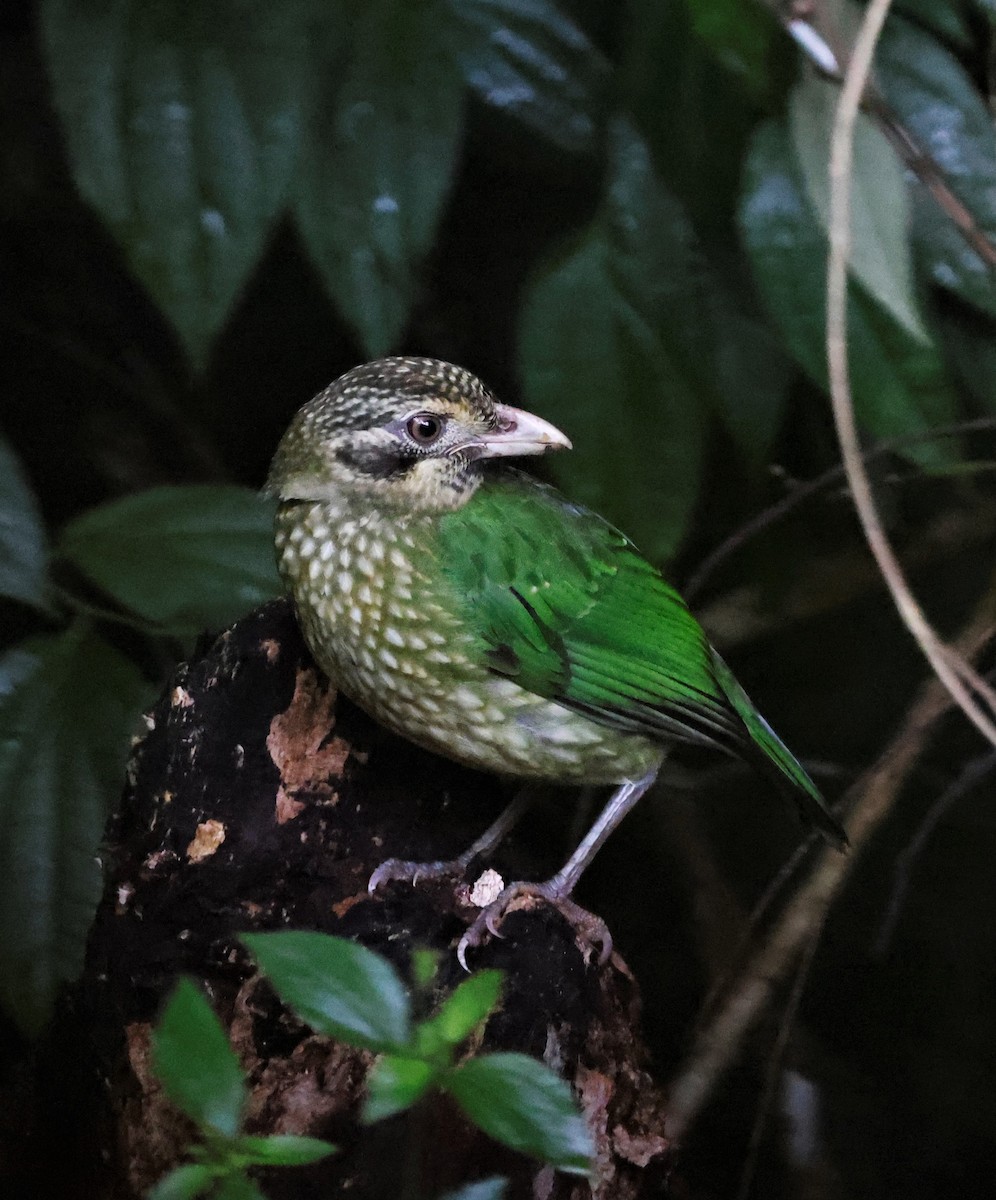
column 379, row 151
column 182, row 124
column 528, row 59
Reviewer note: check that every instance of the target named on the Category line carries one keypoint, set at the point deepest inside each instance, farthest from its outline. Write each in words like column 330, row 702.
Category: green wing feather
column 564, row 604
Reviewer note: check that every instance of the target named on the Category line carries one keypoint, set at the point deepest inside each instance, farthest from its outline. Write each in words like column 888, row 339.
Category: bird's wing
column 566, row 606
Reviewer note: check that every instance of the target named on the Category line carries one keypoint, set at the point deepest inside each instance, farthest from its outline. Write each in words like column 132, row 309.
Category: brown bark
column 259, row 799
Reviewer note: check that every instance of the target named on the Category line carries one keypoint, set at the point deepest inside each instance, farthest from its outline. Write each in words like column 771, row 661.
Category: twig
column 970, row 778
column 719, row 1043
column 811, row 487
column 960, row 684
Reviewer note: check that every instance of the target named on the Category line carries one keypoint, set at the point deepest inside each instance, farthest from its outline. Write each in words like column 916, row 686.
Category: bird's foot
column 591, row 930
column 404, row 870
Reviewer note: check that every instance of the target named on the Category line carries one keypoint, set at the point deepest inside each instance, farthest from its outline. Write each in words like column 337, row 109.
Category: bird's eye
column 424, row 428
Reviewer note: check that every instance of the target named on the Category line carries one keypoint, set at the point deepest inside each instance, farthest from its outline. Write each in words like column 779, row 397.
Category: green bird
column 484, row 616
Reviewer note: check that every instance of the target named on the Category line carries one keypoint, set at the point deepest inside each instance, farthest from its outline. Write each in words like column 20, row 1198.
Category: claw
column 590, row 930
column 404, row 870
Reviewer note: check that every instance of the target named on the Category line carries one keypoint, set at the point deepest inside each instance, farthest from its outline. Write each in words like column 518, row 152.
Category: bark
column 259, row 799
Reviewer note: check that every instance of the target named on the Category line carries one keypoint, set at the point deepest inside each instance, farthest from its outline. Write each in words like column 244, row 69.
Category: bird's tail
column 773, row 758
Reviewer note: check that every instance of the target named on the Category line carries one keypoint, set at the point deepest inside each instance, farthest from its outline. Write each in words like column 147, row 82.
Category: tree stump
column 259, row 799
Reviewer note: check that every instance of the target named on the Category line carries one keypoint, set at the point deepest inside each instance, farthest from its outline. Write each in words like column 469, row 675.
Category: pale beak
column 518, row 432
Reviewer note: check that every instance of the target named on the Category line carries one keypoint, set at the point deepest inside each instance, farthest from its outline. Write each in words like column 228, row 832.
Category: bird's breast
column 380, row 620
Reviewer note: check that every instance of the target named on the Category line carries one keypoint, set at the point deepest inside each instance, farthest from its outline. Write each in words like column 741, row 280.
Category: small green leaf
column 463, row 1010
column 899, row 384
column 380, row 148
column 195, row 1064
column 880, row 243
column 937, row 101
column 183, row 558
column 68, row 704
column 520, row 1102
column 23, row 544
column 339, row 988
column 182, row 123
column 528, row 59
column 283, row 1150
column 237, row 1186
column 183, row 1183
column 394, row 1084
column 494, row 1188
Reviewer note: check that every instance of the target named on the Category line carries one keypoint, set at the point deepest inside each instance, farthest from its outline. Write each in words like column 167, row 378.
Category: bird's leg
column 557, row 890
column 409, row 871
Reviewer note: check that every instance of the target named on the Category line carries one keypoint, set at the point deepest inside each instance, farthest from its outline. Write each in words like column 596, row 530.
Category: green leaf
column 183, row 558
column 467, row 1006
column 947, row 18
column 238, row 1186
column 394, row 1084
column 528, row 59
column 494, row 1188
column 523, row 1104
column 880, row 257
column 339, row 988
column 183, row 1183
column 195, row 1064
column 743, row 37
column 899, row 384
column 726, row 356
column 594, row 362
column 937, row 101
column 283, row 1150
column 378, row 158
column 67, row 709
column 182, row 123
column 23, row 544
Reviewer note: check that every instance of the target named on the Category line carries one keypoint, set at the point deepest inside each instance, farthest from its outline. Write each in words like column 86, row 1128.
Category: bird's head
column 411, row 433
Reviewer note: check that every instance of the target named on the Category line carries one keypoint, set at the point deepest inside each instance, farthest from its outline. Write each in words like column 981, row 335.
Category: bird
column 483, row 615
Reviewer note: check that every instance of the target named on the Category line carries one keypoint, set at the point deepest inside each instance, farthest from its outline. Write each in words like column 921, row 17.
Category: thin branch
column 811, row 487
column 960, row 685
column 872, row 798
column 969, row 779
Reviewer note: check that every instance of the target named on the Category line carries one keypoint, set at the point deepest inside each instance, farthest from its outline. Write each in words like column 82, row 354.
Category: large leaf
column 182, row 122
column 64, row 735
column 880, row 256
column 23, row 544
column 381, row 139
column 341, row 989
column 937, row 101
column 520, row 1102
column 195, row 1063
column 527, row 58
column 184, row 558
column 727, row 354
column 594, row 362
column 899, row 384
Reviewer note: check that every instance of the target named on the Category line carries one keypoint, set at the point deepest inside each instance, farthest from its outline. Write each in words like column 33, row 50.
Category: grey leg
column 411, row 872
column 558, row 888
